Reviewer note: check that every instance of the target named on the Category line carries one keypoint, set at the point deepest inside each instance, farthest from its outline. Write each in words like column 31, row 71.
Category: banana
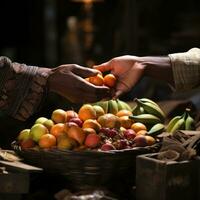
column 145, row 118
column 137, row 110
column 112, row 107
column 179, row 125
column 172, row 122
column 156, row 129
column 152, row 108
column 123, row 105
column 144, row 100
column 189, row 122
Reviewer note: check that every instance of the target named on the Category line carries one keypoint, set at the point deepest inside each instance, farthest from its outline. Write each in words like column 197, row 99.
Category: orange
column 110, row 80
column 125, row 122
column 57, row 129
column 97, row 80
column 47, row 141
column 141, row 132
column 58, row 116
column 91, row 123
column 137, row 126
column 87, row 112
column 123, row 112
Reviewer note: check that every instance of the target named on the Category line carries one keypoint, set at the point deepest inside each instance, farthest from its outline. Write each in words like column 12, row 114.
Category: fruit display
column 102, row 126
column 181, row 122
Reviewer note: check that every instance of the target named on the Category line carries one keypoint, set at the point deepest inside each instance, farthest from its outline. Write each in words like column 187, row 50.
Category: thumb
column 103, row 67
column 84, row 72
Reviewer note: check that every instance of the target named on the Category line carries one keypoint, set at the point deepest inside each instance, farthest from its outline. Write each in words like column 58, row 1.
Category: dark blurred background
column 52, row 32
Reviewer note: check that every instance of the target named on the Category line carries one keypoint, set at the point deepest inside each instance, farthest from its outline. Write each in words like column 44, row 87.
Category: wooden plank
column 20, row 166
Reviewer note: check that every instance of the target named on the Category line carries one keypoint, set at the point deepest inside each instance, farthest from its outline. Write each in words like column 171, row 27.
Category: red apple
column 70, row 114
column 129, row 134
column 28, row 143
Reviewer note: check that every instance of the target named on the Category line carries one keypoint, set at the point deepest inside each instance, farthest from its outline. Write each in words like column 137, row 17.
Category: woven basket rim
column 17, row 148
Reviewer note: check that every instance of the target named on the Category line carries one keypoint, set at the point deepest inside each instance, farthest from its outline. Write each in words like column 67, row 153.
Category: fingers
column 84, row 72
column 103, row 67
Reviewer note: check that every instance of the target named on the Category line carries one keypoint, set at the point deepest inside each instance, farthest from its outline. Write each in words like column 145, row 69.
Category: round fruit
column 68, row 125
column 87, row 112
column 58, row 116
column 150, row 140
column 57, row 129
column 141, row 132
column 70, row 114
column 92, row 140
column 41, row 120
column 28, row 143
column 129, row 134
column 107, row 147
column 77, row 134
column 91, row 123
column 97, row 80
column 24, row 134
column 88, row 131
column 47, row 141
column 140, row 141
column 99, row 110
column 110, row 80
column 109, row 121
column 137, row 126
column 37, row 131
column 76, row 120
column 48, row 123
column 125, row 121
column 123, row 112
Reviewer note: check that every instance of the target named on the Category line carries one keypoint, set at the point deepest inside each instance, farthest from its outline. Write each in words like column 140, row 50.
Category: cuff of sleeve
column 186, row 69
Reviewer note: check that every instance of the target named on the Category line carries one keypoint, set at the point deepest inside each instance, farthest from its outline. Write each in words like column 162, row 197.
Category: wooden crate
column 159, row 180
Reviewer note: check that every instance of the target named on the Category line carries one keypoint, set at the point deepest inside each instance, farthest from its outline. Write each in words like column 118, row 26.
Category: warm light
column 87, row 1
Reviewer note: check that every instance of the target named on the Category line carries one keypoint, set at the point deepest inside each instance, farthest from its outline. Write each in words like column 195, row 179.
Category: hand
column 127, row 69
column 68, row 81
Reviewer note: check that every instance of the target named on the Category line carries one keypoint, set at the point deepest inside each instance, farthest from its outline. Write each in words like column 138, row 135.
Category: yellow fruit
column 87, row 112
column 91, row 123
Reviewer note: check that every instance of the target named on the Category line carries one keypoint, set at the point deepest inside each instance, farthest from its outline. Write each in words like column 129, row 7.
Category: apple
column 58, row 116
column 77, row 120
column 41, row 120
column 70, row 114
column 92, row 140
column 37, row 131
column 48, row 123
column 129, row 134
column 24, row 134
column 140, row 141
column 107, row 147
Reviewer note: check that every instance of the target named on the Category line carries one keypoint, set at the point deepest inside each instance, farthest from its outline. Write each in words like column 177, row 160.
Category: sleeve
column 186, row 69
column 22, row 88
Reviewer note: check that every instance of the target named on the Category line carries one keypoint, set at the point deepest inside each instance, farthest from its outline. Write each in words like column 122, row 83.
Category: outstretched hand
column 127, row 69
column 69, row 82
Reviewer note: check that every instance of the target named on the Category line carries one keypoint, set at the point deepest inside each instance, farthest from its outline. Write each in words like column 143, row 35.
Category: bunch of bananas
column 113, row 106
column 149, row 113
column 181, row 122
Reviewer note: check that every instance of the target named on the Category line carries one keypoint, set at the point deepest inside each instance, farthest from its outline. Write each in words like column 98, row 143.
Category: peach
column 68, row 125
column 87, row 112
column 140, row 141
column 77, row 134
column 58, row 116
column 150, row 140
column 91, row 123
column 109, row 121
column 137, row 126
column 57, row 129
column 92, row 140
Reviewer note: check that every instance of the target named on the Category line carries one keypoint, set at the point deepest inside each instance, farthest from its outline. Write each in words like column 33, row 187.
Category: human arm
column 181, row 70
column 23, row 88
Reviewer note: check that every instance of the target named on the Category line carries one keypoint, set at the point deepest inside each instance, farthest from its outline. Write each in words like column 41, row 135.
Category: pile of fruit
column 102, row 126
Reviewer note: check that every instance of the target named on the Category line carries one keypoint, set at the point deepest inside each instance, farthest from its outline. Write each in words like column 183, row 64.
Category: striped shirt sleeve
column 186, row 69
column 22, row 88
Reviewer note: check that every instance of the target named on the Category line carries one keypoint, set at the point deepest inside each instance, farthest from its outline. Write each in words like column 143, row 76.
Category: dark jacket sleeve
column 22, row 88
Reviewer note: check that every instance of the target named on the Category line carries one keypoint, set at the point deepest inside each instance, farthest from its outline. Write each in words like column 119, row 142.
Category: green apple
column 48, row 123
column 37, row 131
column 41, row 120
column 24, row 135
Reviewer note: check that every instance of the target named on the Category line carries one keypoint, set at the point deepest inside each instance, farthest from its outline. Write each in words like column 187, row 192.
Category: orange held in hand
column 110, row 80
column 97, row 80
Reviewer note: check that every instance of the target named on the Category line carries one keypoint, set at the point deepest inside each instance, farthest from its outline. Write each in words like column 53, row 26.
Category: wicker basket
column 94, row 168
